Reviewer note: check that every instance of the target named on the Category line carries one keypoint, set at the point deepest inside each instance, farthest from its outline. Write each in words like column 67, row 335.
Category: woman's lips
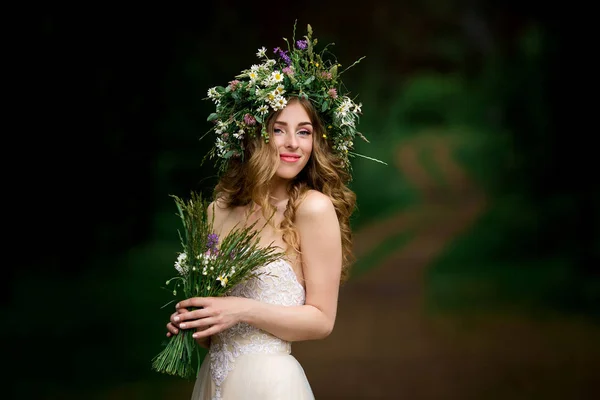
column 289, row 157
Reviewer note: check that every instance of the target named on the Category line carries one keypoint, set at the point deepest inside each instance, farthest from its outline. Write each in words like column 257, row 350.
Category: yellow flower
column 223, row 280
column 325, row 136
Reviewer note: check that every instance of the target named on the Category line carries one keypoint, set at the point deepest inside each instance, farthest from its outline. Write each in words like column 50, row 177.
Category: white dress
column 247, row 363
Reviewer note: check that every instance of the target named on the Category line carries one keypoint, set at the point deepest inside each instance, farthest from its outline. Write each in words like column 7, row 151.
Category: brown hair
column 248, row 180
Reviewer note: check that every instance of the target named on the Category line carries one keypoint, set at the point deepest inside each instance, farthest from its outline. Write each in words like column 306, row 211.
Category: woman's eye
column 304, row 133
column 277, row 131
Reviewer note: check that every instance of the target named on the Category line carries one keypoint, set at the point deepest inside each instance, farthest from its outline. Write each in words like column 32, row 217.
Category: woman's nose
column 291, row 141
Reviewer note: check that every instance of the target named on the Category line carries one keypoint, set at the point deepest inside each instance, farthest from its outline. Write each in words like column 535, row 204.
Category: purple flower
column 211, row 244
column 301, row 44
column 283, row 55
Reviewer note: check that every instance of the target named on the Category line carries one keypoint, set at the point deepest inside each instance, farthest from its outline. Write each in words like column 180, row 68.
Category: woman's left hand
column 212, row 314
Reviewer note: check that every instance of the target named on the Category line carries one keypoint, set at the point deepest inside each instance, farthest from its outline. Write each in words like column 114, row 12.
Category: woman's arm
column 321, row 245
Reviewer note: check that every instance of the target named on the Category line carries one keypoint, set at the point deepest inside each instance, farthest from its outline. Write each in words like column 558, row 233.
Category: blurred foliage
column 532, row 249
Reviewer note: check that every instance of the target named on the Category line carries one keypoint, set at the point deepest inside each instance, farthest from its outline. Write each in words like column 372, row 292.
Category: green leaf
column 309, row 80
column 212, row 117
column 228, row 154
column 325, row 106
column 258, row 118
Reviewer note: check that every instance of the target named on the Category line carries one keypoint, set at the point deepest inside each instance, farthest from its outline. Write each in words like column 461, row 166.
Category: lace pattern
column 277, row 284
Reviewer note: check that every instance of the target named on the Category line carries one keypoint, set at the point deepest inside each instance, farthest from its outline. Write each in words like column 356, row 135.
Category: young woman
column 287, row 168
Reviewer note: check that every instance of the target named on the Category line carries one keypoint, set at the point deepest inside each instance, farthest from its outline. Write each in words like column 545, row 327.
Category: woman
column 286, row 166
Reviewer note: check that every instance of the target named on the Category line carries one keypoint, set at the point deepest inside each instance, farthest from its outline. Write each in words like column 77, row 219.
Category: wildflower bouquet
column 207, row 268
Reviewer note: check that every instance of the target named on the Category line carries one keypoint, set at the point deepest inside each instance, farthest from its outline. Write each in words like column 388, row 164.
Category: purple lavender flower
column 302, row 44
column 211, row 244
column 283, row 55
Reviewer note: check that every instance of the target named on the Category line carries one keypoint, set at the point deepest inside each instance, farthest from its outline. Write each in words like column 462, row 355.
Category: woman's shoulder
column 316, row 213
column 314, row 204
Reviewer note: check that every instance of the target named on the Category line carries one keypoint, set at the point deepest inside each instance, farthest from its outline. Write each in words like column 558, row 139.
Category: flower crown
column 264, row 88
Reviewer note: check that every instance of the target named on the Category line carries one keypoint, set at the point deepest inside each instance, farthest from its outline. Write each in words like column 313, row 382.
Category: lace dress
column 247, row 363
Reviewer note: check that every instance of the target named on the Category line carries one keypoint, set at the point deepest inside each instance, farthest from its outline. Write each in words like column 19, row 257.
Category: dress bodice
column 276, row 283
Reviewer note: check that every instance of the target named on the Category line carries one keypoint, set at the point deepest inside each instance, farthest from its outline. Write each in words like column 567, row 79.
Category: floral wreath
column 299, row 71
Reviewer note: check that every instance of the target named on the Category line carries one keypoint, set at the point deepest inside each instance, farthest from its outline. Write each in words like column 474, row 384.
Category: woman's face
column 293, row 137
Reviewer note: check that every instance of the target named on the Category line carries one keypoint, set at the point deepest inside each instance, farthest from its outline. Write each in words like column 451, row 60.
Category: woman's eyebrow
column 300, row 124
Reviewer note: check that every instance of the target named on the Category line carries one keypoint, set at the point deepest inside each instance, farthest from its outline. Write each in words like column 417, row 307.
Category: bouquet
column 207, row 267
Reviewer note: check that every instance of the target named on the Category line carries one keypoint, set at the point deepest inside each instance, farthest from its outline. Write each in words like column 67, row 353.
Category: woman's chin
column 286, row 177
column 287, row 173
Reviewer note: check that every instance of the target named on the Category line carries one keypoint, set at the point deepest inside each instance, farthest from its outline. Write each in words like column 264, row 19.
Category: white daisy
column 276, row 76
column 261, row 52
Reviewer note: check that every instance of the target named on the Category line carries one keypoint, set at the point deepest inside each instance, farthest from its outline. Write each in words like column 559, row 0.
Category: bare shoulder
column 315, row 205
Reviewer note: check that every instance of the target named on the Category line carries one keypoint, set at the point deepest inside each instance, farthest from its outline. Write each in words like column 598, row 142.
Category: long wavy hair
column 249, row 180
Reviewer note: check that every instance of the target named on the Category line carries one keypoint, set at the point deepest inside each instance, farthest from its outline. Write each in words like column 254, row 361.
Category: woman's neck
column 278, row 193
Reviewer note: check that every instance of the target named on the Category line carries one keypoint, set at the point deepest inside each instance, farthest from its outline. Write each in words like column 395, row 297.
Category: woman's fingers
column 206, row 332
column 195, row 302
column 172, row 329
column 190, row 315
column 174, row 319
column 201, row 324
column 172, row 325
